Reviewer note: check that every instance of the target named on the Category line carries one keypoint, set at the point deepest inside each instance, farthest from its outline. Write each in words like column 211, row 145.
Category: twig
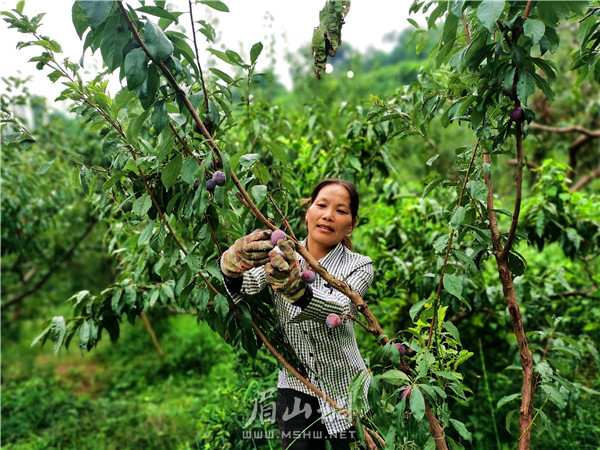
column 449, row 245
column 198, row 58
column 150, row 331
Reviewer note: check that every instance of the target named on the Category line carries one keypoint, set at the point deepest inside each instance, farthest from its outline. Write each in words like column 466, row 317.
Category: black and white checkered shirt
column 330, row 355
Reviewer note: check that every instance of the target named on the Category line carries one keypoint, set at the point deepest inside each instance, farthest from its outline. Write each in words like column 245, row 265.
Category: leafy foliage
column 426, row 156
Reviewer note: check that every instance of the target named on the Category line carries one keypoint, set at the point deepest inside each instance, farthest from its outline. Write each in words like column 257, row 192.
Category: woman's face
column 328, row 217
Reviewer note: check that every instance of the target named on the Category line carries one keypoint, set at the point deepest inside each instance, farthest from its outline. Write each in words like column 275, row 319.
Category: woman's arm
column 251, row 282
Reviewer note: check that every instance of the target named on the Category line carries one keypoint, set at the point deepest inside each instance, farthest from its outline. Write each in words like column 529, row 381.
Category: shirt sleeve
column 327, row 301
column 251, row 282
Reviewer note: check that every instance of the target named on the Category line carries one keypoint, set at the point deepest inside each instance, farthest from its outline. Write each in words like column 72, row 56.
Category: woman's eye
column 341, row 211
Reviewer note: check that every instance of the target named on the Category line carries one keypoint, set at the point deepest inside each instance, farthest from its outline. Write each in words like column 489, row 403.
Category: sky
column 249, row 21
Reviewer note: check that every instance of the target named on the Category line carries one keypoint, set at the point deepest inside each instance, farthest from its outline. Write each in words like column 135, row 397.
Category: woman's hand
column 283, row 272
column 246, row 253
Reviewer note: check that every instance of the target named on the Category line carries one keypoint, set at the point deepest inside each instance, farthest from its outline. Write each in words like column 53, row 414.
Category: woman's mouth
column 325, row 228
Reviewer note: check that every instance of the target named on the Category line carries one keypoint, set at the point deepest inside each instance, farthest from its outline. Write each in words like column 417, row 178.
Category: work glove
column 283, row 272
column 246, row 253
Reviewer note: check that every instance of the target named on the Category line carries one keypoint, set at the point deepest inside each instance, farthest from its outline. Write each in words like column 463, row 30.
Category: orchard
column 473, row 145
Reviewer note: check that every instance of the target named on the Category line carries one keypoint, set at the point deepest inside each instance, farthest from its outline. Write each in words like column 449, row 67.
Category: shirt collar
column 331, row 256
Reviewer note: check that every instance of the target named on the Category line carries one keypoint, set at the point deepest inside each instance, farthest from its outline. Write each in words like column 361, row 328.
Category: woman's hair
column 353, row 200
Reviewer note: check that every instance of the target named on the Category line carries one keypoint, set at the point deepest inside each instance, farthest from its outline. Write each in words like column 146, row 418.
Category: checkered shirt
column 331, row 356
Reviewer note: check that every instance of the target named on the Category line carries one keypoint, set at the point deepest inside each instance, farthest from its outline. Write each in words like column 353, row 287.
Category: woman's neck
column 317, row 251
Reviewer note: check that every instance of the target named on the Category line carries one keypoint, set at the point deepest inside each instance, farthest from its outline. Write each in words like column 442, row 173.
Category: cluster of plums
column 218, row 179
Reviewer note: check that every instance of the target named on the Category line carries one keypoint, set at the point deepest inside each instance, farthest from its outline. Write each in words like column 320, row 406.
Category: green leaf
column 79, row 20
column 45, row 167
column 114, row 39
column 417, row 403
column 489, row 11
column 395, row 377
column 525, row 86
column 58, row 330
column 159, row 46
column 462, row 429
column 508, row 398
column 259, row 192
column 478, row 189
column 146, row 234
column 160, row 12
column 555, row 395
column 221, row 55
column 221, row 306
column 136, row 68
column 255, row 52
column 458, row 217
column 171, row 172
column 142, row 205
column 222, row 75
column 215, row 4
column 96, row 11
column 534, row 29
column 278, row 151
column 189, row 170
column 159, row 116
column 414, row 309
column 453, row 331
column 85, row 179
column 453, row 285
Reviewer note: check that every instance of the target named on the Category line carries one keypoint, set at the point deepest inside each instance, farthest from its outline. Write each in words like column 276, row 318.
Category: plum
column 401, row 349
column 333, row 321
column 308, row 276
column 276, row 236
column 210, row 185
column 219, row 178
column 517, row 115
column 405, row 392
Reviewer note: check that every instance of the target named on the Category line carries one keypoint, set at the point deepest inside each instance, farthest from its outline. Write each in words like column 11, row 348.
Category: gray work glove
column 246, row 253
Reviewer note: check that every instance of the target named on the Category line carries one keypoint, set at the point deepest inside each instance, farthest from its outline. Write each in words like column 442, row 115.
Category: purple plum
column 276, row 236
column 308, row 276
column 333, row 321
column 219, row 178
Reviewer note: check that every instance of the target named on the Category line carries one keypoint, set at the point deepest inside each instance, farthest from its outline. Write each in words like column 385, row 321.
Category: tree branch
column 54, row 267
column 198, row 58
column 316, row 390
column 519, row 185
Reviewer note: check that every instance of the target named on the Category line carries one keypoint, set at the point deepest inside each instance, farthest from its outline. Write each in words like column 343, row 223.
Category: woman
column 330, row 355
